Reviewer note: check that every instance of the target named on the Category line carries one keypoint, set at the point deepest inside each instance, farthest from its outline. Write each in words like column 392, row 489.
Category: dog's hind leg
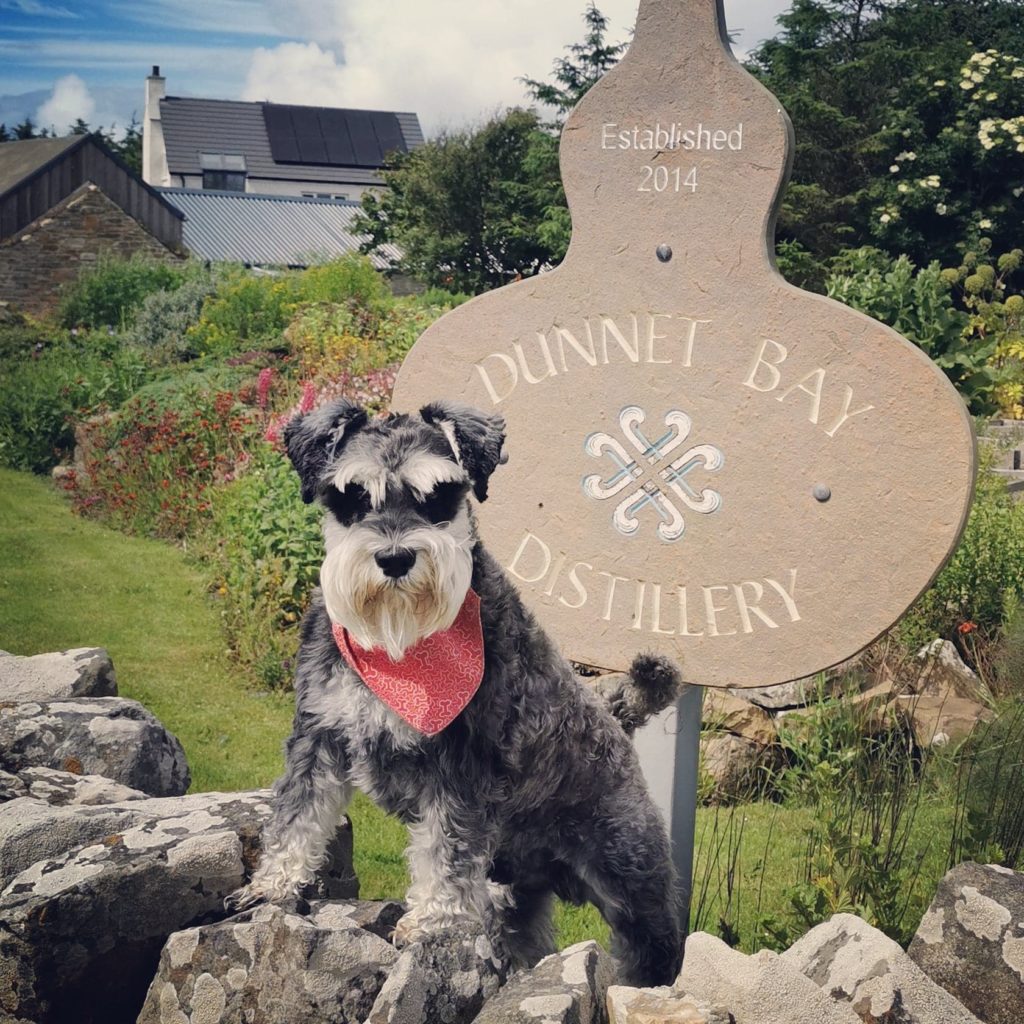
column 309, row 800
column 529, row 927
column 624, row 860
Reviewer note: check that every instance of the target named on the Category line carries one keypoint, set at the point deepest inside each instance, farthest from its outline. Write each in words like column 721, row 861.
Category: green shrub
column 110, row 294
column 440, row 298
column 920, row 305
column 985, row 576
column 247, row 311
column 265, row 564
column 865, row 848
column 42, row 395
column 990, row 792
column 24, row 339
column 152, row 467
column 252, row 310
column 350, row 279
column 163, row 320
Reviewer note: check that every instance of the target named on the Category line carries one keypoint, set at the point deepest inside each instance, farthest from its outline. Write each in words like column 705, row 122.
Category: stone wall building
column 64, row 203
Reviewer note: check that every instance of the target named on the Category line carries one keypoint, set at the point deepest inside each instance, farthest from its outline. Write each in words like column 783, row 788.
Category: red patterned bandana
column 436, row 678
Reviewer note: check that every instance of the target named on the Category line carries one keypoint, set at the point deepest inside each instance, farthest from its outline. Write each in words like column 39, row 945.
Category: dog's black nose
column 395, row 564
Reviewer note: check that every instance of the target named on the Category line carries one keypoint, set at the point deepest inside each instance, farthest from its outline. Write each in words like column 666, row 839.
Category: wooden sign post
column 704, row 460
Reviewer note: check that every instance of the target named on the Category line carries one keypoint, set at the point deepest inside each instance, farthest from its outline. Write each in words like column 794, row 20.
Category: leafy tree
column 574, row 75
column 476, row 209
column 468, row 209
column 129, row 146
column 5, row 134
column 28, row 130
column 874, row 86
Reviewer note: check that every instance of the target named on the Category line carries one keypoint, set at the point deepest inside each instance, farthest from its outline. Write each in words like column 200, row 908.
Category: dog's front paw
column 262, row 890
column 408, row 929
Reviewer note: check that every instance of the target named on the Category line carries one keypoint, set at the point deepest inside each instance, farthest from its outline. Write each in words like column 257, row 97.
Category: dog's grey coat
column 535, row 786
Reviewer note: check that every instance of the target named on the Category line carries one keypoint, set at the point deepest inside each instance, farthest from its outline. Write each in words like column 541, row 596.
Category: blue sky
column 452, row 61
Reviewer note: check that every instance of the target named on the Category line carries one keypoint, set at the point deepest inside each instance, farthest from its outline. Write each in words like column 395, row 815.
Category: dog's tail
column 633, row 697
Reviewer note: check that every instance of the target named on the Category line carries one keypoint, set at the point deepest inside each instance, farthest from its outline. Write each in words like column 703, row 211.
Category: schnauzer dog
column 517, row 782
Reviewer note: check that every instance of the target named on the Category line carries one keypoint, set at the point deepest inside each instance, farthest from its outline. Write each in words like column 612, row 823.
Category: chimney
column 154, row 155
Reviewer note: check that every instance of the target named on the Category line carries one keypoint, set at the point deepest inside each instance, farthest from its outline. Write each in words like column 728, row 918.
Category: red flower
column 967, row 627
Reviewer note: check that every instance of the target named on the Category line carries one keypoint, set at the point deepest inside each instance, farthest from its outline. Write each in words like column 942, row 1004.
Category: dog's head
column 397, row 528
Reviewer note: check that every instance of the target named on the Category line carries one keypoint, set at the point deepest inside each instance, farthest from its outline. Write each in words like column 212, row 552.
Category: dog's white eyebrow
column 366, row 473
column 423, row 472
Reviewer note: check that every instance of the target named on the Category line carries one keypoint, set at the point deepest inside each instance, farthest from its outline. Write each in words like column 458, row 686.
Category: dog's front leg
column 448, row 859
column 309, row 800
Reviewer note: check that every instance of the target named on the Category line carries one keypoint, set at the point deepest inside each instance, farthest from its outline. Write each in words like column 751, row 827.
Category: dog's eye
column 441, row 505
column 349, row 505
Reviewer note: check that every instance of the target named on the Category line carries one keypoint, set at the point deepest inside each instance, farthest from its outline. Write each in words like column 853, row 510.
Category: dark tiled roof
column 194, row 126
column 20, row 159
column 241, row 227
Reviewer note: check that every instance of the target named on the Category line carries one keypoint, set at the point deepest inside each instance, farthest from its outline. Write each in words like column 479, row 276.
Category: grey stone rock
column 859, row 965
column 11, row 787
column 971, row 941
column 565, row 988
column 725, row 712
column 942, row 672
column 759, row 989
column 446, row 977
column 271, row 965
column 661, row 1006
column 81, row 672
column 63, row 788
column 376, row 916
column 32, row 831
column 845, row 678
column 109, row 736
column 81, row 931
column 942, row 721
column 733, row 765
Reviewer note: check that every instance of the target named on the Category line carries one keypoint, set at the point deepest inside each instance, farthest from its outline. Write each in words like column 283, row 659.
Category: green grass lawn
column 67, row 582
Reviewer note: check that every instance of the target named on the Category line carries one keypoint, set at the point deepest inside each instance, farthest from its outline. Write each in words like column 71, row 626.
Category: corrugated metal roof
column 194, row 126
column 268, row 231
column 24, row 157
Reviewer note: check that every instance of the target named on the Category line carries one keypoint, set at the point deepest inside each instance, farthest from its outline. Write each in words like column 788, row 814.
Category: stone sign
column 703, row 459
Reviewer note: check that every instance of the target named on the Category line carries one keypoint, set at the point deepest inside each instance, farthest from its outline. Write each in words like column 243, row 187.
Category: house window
column 224, row 181
column 223, row 171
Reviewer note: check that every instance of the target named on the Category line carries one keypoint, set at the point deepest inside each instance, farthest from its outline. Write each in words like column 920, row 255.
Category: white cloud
column 449, row 61
column 37, row 9
column 69, row 101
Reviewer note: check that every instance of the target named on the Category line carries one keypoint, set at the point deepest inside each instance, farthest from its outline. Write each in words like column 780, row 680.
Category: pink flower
column 263, row 383
column 308, row 401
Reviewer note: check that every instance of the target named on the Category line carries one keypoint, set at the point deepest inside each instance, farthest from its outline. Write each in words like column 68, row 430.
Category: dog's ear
column 314, row 440
column 475, row 437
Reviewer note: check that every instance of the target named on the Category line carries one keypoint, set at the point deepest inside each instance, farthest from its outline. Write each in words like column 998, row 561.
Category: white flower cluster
column 992, row 131
column 980, row 67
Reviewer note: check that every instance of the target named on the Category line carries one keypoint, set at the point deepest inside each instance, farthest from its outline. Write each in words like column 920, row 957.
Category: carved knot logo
column 649, row 478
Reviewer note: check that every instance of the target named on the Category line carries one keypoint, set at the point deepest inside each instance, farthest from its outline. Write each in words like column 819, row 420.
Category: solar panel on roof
column 360, row 127
column 389, row 133
column 283, row 145
column 309, row 135
column 330, row 137
column 339, row 143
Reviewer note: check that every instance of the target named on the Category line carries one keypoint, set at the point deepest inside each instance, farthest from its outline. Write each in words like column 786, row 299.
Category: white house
column 268, row 148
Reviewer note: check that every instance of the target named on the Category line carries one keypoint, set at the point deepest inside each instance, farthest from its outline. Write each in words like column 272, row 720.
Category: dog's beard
column 395, row 614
